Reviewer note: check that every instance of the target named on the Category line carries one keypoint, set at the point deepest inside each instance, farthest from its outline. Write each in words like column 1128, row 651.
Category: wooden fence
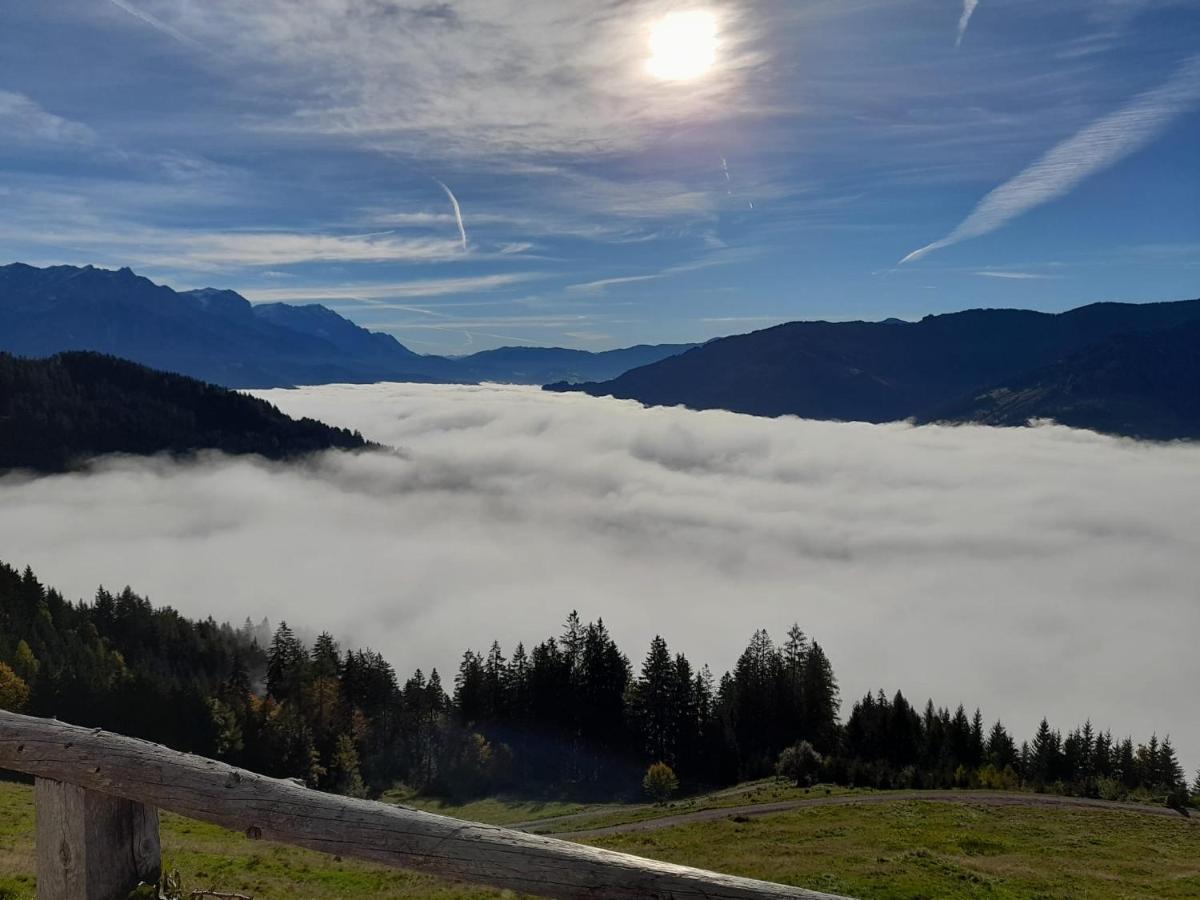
column 98, row 796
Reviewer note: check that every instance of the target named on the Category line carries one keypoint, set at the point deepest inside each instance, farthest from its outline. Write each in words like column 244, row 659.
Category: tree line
column 568, row 716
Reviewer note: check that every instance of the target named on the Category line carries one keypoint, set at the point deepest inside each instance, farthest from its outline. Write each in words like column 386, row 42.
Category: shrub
column 660, row 783
column 1178, row 799
column 800, row 762
column 1110, row 789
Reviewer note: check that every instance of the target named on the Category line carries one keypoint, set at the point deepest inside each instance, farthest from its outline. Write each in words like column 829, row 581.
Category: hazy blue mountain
column 538, row 365
column 1144, row 385
column 60, row 411
column 876, row 371
column 219, row 336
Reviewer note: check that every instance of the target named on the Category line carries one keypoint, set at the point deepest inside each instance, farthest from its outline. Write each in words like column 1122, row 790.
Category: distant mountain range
column 1123, row 368
column 219, row 336
column 57, row 413
column 1116, row 367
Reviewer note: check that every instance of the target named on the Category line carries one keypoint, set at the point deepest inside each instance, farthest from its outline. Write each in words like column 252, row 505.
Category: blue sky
column 299, row 151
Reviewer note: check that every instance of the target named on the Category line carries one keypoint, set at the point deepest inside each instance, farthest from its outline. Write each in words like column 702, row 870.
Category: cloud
column 24, row 121
column 430, row 287
column 1099, row 146
column 215, row 250
column 471, row 79
column 969, row 7
column 458, row 216
column 1015, row 276
column 156, row 23
column 1035, row 571
column 718, row 258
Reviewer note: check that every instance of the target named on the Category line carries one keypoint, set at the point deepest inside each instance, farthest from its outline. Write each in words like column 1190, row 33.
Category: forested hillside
column 1127, row 368
column 571, row 716
column 56, row 413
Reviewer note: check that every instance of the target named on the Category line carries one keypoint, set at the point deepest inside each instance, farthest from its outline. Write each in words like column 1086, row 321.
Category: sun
column 683, row 46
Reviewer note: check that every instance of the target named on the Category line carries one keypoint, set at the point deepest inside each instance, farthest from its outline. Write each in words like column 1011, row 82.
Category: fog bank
column 1033, row 572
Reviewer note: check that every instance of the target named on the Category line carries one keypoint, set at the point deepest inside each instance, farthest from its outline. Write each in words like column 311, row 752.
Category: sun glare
column 683, row 46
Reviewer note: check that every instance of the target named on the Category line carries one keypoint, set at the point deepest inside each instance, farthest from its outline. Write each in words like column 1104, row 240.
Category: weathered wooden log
column 92, row 846
column 277, row 810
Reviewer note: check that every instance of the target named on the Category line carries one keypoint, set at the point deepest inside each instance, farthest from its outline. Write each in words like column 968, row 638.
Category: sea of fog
column 1034, row 572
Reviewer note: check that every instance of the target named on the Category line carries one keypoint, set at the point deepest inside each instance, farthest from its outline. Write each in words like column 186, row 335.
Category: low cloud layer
column 1034, row 572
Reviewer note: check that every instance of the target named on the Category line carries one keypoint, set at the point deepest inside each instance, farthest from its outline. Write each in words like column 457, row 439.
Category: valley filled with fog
column 1037, row 571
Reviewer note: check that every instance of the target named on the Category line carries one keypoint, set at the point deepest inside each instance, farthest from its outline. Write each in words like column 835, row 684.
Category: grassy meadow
column 907, row 849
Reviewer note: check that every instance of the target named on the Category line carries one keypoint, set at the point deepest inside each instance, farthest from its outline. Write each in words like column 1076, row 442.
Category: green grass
column 494, row 810
column 907, row 849
column 920, row 849
column 769, row 790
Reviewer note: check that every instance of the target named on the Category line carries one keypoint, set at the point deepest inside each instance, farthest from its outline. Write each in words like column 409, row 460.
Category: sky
column 598, row 173
column 1032, row 572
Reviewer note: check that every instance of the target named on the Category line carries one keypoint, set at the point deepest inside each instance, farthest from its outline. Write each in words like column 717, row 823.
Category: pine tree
column 821, row 700
column 1001, row 750
column 495, row 680
column 795, row 656
column 1170, row 772
column 326, row 658
column 1045, row 754
column 287, row 665
column 470, row 690
column 975, row 748
column 1127, row 764
column 654, row 697
column 904, row 733
column 686, row 739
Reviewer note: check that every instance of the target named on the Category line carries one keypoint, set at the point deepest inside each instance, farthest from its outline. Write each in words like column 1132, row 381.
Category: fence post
column 91, row 846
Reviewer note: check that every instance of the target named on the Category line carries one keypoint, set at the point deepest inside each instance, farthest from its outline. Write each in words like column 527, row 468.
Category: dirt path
column 985, row 798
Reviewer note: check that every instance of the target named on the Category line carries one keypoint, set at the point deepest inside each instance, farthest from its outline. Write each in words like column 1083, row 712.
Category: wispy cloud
column 432, row 287
column 458, row 216
column 157, row 24
column 1100, row 145
column 476, row 79
column 1015, row 276
column 722, row 258
column 23, row 120
column 965, row 21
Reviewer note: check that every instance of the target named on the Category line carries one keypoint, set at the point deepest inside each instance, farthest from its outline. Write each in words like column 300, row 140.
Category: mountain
column 538, row 365
column 1143, row 385
column 880, row 371
column 219, row 336
column 55, row 413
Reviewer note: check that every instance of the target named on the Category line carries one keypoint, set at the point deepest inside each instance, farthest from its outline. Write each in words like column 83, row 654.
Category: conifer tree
column 821, row 699
column 1001, row 749
column 287, row 665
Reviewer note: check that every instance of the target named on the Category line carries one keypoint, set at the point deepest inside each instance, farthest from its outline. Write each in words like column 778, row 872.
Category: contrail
column 1099, row 146
column 157, row 24
column 968, row 11
column 458, row 216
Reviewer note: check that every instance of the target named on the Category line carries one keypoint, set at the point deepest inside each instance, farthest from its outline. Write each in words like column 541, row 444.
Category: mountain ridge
column 219, row 336
column 880, row 372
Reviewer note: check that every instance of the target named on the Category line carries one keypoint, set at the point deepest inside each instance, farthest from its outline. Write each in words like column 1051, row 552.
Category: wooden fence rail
column 98, row 796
